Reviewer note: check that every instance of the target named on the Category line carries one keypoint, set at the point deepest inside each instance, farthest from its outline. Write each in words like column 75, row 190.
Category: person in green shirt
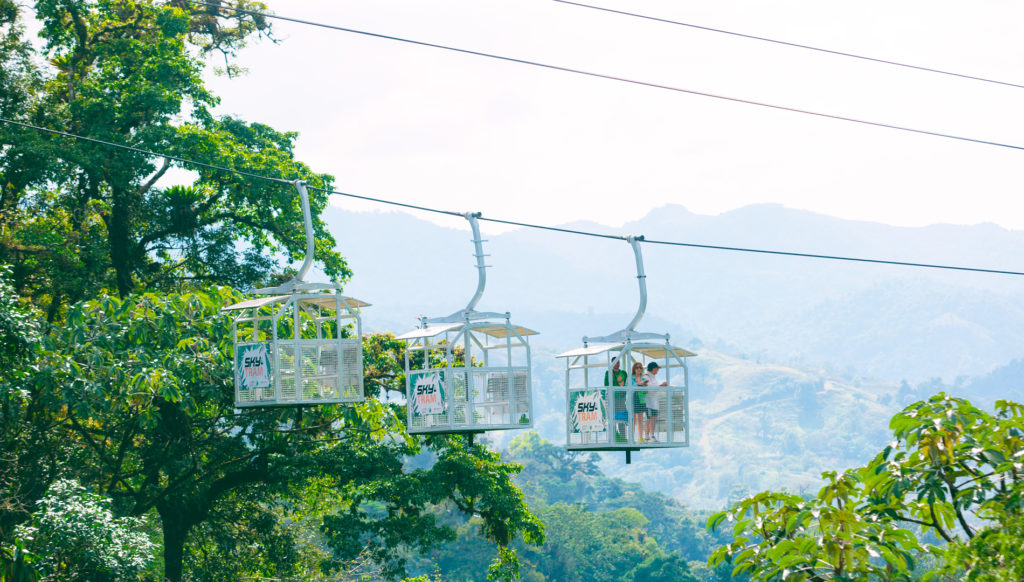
column 618, row 376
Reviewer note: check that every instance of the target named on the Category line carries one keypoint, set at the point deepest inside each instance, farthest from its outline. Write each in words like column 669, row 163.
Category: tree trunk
column 176, row 524
column 119, row 240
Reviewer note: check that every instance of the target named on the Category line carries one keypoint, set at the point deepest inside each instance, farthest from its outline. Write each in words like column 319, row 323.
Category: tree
column 144, row 388
column 563, row 475
column 604, row 546
column 551, row 478
column 84, row 216
column 660, row 567
column 131, row 393
column 951, row 464
column 779, row 536
column 31, row 452
column 994, row 555
column 23, row 466
column 20, row 84
column 78, row 538
column 950, row 468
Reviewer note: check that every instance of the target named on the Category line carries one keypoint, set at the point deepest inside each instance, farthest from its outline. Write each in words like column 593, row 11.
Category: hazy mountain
column 801, row 362
column 754, row 426
column 879, row 320
column 1004, row 383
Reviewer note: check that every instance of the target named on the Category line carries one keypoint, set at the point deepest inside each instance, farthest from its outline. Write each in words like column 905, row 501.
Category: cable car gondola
column 291, row 347
column 468, row 372
column 605, row 409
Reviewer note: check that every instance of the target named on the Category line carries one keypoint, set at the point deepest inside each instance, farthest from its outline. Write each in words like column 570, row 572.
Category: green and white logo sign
column 252, row 366
column 428, row 393
column 588, row 412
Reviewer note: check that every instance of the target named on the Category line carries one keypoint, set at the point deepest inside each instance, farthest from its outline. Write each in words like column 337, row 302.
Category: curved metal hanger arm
column 641, row 278
column 298, row 282
column 307, row 220
column 470, row 311
column 630, row 330
column 481, row 282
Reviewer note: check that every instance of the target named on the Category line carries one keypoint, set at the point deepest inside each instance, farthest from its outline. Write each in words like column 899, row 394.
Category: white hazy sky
column 465, row 133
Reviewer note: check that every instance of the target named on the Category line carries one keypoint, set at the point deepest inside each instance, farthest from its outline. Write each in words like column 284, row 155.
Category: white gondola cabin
column 629, row 390
column 468, row 372
column 292, row 350
column 300, row 344
column 606, row 416
column 468, row 376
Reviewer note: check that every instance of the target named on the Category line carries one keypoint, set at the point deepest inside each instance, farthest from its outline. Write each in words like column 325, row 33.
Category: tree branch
column 959, row 514
column 938, row 527
column 159, row 174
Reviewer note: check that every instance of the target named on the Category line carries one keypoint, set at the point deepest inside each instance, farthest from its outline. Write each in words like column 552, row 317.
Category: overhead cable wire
column 391, row 202
column 509, row 222
column 606, row 76
column 211, row 166
column 141, row 151
column 793, row 44
column 831, row 257
column 554, row 228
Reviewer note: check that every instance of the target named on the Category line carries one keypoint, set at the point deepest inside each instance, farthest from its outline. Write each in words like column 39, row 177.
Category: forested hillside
column 942, row 500
column 597, row 527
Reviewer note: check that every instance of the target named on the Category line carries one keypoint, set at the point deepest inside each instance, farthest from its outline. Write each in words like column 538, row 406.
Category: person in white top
column 653, row 401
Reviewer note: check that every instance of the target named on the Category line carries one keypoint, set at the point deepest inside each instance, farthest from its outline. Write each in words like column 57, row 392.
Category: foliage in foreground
column 136, row 396
column 953, row 472
column 597, row 528
column 75, row 537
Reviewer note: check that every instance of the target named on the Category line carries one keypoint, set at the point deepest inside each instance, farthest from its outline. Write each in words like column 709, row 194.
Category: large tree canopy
column 80, row 216
column 115, row 369
column 144, row 386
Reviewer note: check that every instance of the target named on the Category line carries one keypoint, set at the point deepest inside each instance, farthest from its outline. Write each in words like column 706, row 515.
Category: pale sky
column 464, row 133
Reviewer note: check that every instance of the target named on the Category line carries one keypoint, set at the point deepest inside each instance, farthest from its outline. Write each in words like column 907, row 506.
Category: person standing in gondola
column 618, row 377
column 637, row 378
column 653, row 404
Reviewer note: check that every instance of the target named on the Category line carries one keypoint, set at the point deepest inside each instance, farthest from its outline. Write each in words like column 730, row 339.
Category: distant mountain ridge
column 882, row 321
column 800, row 361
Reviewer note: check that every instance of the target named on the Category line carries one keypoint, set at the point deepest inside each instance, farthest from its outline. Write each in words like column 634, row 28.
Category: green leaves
column 821, row 538
column 134, row 393
column 78, row 538
column 141, row 390
column 83, row 216
column 385, row 507
column 950, row 467
column 19, row 327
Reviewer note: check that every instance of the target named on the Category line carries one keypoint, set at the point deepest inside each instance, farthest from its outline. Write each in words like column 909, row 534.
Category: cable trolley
column 293, row 346
column 629, row 390
column 469, row 371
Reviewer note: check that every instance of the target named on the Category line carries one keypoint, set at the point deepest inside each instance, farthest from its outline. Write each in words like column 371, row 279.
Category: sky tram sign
column 252, row 363
column 428, row 393
column 588, row 413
